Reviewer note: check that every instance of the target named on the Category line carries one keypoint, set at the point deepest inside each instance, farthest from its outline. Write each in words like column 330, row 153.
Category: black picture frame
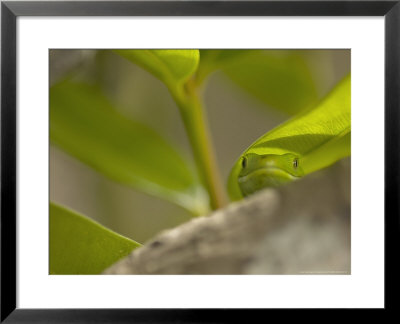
column 10, row 10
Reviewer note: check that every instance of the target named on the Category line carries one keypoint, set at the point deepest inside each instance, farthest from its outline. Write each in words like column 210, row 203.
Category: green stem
column 194, row 119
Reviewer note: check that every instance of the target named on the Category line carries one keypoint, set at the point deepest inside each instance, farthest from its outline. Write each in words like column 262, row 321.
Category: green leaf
column 313, row 140
column 173, row 67
column 85, row 124
column 280, row 79
column 79, row 245
column 215, row 59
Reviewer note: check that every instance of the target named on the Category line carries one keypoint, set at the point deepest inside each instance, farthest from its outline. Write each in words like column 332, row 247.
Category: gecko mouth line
column 270, row 171
column 264, row 177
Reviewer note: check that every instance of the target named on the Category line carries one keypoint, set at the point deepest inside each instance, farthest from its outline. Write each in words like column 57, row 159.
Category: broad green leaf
column 173, row 67
column 85, row 124
column 306, row 143
column 215, row 59
column 79, row 245
column 278, row 78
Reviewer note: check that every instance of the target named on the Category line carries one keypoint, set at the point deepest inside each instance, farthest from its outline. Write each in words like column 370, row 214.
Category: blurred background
column 238, row 113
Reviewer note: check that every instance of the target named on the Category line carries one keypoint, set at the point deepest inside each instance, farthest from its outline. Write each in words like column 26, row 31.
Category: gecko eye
column 295, row 163
column 244, row 162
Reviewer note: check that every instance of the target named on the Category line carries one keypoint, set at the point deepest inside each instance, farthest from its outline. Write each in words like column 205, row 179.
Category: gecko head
column 270, row 170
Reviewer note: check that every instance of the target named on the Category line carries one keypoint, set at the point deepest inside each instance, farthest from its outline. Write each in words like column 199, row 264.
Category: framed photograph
column 163, row 159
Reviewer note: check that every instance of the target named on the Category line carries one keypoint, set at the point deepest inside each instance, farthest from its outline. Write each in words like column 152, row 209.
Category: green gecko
column 310, row 141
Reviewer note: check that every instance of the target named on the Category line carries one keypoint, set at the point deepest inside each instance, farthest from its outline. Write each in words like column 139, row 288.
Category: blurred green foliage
column 85, row 124
column 280, row 79
column 79, row 245
column 173, row 67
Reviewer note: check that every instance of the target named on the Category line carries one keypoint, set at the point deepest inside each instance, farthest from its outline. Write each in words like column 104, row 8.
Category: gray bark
column 302, row 228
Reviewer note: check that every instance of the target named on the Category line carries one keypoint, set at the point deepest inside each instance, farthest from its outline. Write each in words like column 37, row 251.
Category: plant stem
column 193, row 115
